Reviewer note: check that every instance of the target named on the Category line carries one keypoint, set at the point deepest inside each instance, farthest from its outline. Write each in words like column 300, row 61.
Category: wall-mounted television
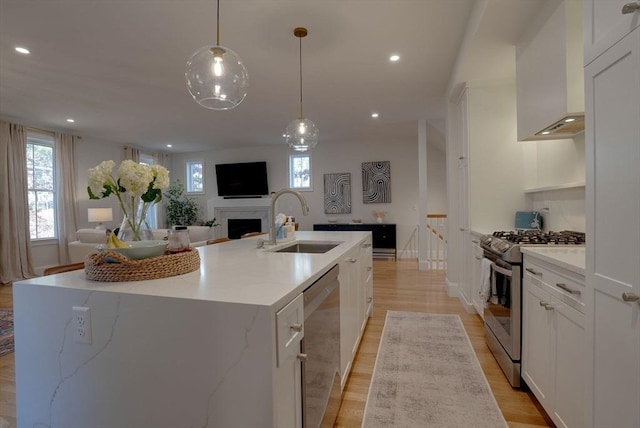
column 242, row 180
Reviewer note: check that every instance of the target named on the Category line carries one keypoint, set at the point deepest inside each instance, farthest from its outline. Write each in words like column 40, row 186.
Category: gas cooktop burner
column 538, row 237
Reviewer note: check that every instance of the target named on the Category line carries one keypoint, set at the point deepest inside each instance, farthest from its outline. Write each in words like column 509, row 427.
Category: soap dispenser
column 289, row 229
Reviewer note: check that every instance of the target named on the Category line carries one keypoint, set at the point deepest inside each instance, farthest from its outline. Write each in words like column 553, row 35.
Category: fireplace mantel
column 249, row 208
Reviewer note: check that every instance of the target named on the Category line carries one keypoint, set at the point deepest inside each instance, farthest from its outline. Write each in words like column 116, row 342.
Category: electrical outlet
column 82, row 324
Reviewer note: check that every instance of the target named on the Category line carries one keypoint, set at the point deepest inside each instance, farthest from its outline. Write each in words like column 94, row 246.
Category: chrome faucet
column 272, row 217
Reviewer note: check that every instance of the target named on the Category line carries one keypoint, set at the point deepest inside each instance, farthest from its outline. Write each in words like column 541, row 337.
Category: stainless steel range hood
column 568, row 126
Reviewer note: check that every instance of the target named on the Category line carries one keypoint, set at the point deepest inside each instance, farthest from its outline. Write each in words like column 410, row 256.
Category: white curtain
column 67, row 202
column 131, row 153
column 163, row 160
column 15, row 239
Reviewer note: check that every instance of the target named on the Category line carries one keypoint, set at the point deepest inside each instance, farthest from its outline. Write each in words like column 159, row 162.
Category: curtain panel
column 15, row 240
column 67, row 201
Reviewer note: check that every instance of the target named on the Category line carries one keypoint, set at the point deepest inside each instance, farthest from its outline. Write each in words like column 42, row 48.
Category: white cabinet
column 288, row 380
column 553, row 345
column 356, row 286
column 488, row 178
column 612, row 140
column 477, row 254
column 549, row 73
column 605, row 24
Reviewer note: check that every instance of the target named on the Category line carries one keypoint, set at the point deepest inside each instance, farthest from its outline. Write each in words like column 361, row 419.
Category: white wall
column 337, row 158
column 436, row 180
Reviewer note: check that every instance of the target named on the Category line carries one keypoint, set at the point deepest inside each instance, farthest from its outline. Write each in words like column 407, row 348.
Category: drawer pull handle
column 546, row 306
column 370, row 268
column 532, row 271
column 366, row 245
column 296, row 326
column 302, row 357
column 478, row 258
column 474, row 241
column 630, row 297
column 351, row 260
column 630, row 8
column 567, row 289
column 369, row 299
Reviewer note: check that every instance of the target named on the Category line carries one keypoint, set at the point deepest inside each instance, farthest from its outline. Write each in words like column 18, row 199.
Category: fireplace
column 238, row 209
column 236, row 227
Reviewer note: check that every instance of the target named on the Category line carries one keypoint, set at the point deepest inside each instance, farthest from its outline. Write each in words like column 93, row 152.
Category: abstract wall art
column 337, row 193
column 376, row 182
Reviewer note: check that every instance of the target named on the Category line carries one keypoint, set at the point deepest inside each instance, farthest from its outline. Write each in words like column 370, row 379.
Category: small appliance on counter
column 528, row 220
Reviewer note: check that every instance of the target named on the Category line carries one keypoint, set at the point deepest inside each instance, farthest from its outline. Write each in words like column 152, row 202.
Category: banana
column 114, row 242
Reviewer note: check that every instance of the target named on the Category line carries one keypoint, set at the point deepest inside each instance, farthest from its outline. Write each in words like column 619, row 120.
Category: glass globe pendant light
column 301, row 134
column 216, row 77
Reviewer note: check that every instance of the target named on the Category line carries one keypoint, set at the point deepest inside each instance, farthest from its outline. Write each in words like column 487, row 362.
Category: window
column 41, row 187
column 300, row 171
column 195, row 176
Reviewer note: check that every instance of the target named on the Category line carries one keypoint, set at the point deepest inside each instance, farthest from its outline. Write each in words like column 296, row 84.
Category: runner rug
column 6, row 331
column 427, row 375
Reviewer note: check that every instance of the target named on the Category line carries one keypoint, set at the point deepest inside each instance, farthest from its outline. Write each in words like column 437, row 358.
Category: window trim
column 290, row 172
column 40, row 139
column 187, row 181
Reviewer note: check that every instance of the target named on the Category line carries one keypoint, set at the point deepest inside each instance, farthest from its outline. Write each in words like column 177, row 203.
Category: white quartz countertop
column 568, row 257
column 230, row 272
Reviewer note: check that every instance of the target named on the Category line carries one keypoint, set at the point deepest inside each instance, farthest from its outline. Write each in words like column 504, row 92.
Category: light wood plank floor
column 398, row 286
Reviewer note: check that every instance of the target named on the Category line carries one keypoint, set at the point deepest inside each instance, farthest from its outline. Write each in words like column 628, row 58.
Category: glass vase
column 136, row 227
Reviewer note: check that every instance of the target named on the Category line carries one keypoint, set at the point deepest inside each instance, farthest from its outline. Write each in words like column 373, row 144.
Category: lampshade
column 301, row 134
column 216, row 77
column 98, row 215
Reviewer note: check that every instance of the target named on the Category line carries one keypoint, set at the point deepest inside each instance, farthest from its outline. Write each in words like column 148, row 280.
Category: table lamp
column 98, row 215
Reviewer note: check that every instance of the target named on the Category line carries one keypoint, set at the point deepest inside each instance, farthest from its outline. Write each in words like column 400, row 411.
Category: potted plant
column 181, row 209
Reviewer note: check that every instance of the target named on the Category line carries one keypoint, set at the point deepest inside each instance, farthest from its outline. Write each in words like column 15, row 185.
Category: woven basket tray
column 119, row 268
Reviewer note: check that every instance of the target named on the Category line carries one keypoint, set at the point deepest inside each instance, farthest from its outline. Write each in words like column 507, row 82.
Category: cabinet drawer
column 290, row 327
column 565, row 285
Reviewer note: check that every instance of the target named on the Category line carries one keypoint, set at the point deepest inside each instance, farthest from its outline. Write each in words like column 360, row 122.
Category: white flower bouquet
column 137, row 187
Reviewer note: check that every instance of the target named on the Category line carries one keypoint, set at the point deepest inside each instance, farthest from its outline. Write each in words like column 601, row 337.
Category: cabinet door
column 538, row 343
column 288, row 377
column 570, row 367
column 612, row 139
column 366, row 260
column 349, row 325
column 605, row 24
column 477, row 255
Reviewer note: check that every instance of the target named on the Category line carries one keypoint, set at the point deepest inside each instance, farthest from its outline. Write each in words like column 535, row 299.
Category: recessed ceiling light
column 375, row 115
column 169, row 145
column 394, row 58
column 22, row 50
column 571, row 119
column 70, row 120
column 545, row 133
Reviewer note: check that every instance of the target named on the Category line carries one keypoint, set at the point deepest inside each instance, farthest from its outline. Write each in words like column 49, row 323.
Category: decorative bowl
column 332, row 220
column 139, row 249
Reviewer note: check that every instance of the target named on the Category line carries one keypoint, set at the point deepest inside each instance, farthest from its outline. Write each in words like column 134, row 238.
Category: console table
column 383, row 235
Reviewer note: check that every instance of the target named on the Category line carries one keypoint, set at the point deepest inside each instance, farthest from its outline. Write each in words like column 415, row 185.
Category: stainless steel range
column 503, row 311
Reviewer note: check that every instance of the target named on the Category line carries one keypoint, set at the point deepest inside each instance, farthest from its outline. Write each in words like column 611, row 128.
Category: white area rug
column 427, row 375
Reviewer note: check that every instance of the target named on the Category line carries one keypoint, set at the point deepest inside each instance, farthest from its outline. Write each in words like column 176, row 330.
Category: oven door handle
column 501, row 270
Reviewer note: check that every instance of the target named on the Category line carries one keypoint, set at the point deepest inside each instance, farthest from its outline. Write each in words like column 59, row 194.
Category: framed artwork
column 376, row 182
column 337, row 193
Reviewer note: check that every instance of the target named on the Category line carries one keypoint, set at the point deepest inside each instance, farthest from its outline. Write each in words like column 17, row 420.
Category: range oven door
column 502, row 314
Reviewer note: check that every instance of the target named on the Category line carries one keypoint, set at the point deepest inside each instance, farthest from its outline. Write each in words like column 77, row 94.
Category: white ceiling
column 117, row 67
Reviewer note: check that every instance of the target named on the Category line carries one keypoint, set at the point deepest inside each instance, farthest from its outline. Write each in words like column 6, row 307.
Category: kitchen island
column 194, row 350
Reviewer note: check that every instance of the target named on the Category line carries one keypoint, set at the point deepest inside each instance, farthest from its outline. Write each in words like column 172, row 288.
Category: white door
column 612, row 137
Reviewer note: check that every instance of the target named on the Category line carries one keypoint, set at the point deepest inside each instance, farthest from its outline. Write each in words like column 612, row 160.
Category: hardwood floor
column 398, row 286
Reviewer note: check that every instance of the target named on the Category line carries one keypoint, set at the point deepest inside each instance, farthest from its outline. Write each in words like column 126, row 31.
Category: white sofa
column 86, row 240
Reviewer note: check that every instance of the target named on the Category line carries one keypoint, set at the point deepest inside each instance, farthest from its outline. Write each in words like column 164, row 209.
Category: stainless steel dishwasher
column 320, row 349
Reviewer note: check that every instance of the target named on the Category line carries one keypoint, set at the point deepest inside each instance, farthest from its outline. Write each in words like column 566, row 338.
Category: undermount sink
column 308, row 247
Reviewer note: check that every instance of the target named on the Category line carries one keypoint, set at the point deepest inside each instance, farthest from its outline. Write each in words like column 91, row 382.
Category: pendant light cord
column 301, row 115
column 218, row 24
